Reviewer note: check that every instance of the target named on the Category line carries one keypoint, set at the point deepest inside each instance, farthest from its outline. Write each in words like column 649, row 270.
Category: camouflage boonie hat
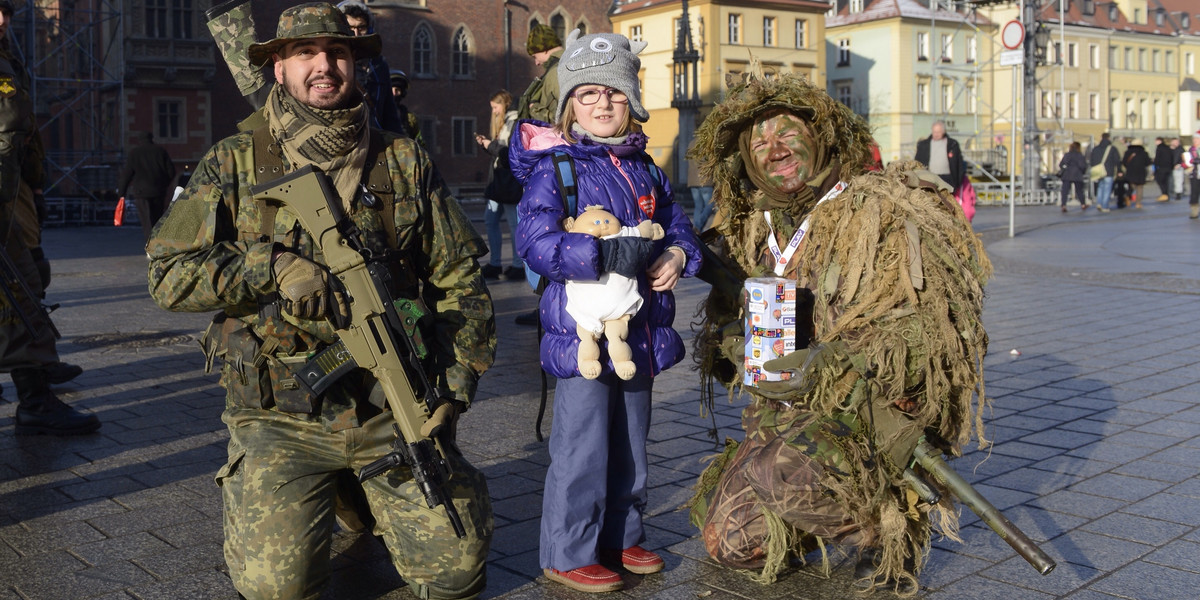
column 541, row 39
column 313, row 20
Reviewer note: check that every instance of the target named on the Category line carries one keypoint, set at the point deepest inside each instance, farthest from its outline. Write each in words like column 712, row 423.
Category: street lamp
column 1132, row 116
column 1041, row 41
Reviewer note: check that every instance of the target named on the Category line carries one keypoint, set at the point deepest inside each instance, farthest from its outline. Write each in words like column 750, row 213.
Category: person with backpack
column 596, row 484
column 1191, row 166
column 1106, row 158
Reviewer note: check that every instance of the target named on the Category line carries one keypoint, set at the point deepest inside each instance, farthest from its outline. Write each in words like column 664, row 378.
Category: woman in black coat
column 1071, row 169
column 1136, row 164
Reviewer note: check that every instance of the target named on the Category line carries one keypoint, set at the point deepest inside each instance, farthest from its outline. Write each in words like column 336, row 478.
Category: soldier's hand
column 306, row 290
column 802, row 366
column 443, row 417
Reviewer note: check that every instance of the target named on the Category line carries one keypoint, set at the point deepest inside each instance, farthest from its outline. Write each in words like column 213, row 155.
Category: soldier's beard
column 302, row 91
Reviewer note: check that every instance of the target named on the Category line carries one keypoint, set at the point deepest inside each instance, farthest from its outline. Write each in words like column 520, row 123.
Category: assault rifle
column 11, row 278
column 376, row 337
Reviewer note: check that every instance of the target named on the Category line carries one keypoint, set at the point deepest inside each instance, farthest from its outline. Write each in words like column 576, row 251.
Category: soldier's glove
column 803, row 366
column 443, row 419
column 626, row 256
column 307, row 291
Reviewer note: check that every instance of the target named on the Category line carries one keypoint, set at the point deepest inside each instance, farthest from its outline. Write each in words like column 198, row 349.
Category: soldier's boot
column 59, row 372
column 350, row 507
column 865, row 575
column 39, row 411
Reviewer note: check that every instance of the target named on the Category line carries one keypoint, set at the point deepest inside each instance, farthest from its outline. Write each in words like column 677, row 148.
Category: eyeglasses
column 590, row 97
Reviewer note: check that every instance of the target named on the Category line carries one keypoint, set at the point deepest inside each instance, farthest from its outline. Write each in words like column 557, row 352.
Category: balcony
column 160, row 51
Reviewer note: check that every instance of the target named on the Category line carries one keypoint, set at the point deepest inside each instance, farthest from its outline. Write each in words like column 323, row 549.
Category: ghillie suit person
column 895, row 275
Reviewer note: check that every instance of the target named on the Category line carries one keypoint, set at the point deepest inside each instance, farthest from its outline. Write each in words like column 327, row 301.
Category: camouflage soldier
column 890, row 292
column 540, row 100
column 30, row 356
column 218, row 249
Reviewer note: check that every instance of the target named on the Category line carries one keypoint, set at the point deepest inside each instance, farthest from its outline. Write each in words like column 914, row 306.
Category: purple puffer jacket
column 605, row 179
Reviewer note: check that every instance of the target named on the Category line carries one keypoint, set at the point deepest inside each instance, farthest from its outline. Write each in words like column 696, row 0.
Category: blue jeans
column 491, row 218
column 1104, row 192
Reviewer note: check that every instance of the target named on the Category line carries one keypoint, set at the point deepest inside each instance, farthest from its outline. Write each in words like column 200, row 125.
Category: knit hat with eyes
column 607, row 59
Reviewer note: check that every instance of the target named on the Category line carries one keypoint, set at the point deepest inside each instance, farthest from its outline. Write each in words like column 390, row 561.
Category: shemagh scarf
column 334, row 141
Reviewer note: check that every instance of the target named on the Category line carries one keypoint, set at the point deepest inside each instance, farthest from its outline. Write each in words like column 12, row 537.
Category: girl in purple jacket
column 596, row 484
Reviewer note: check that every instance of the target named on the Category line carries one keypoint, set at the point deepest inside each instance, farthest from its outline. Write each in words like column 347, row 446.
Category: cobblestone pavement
column 1096, row 425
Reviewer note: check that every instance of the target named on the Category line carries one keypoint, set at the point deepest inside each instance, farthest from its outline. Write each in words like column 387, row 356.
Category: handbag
column 504, row 187
column 119, row 213
column 1097, row 172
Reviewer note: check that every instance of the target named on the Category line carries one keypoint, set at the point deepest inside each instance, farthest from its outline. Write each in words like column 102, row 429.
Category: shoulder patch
column 7, row 88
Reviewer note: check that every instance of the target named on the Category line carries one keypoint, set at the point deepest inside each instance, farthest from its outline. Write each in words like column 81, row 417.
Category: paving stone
column 120, row 549
column 206, row 584
column 979, row 588
column 1148, row 580
column 1152, row 469
column 1092, row 550
column 1136, row 528
column 1105, row 451
column 172, row 563
column 47, row 537
column 1060, row 439
column 1169, row 507
column 1075, row 503
column 94, row 581
column 1063, row 579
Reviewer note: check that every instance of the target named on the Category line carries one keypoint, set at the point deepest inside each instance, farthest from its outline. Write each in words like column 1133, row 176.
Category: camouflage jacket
column 209, row 253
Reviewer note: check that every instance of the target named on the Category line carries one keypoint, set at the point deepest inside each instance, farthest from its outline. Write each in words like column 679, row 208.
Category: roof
column 878, row 10
column 1172, row 11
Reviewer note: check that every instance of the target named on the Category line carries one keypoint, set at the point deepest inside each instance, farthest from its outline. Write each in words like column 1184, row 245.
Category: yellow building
column 787, row 36
column 903, row 66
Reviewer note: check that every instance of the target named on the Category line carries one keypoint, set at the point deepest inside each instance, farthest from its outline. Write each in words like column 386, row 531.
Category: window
column 1198, row 109
column 844, row 52
column 856, row 6
column 801, row 33
column 922, row 97
column 1129, row 59
column 1189, row 63
column 1072, row 105
column 1072, row 54
column 156, row 19
column 1158, row 17
column 635, row 33
column 1156, row 61
column 1045, row 105
column 768, row 31
column 1093, row 56
column 1157, row 114
column 181, row 19
column 1143, row 116
column 947, row 47
column 463, row 142
column 582, row 27
column 428, row 126
column 947, row 98
column 735, row 28
column 1089, row 7
column 972, row 49
column 559, row 24
column 460, row 54
column 1054, row 53
column 1114, row 109
column 168, row 120
column 1141, row 59
column 845, row 93
column 1112, row 12
column 972, row 100
column 1185, row 21
column 1170, row 114
column 1058, row 105
column 1093, row 106
column 922, row 45
column 422, row 51
column 1170, row 61
column 1137, row 16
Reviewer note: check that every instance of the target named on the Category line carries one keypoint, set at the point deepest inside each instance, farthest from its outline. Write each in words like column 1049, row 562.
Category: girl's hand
column 482, row 141
column 665, row 271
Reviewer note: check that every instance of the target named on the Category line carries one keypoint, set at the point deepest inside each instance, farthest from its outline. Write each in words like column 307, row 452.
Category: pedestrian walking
column 1191, row 164
column 1164, row 165
column 218, row 249
column 503, row 191
column 1135, row 166
column 596, row 484
column 1071, row 170
column 146, row 180
column 1104, row 161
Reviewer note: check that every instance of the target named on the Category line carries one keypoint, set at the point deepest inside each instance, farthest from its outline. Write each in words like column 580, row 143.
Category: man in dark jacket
column 374, row 74
column 1164, row 163
column 1104, row 154
column 146, row 180
column 941, row 154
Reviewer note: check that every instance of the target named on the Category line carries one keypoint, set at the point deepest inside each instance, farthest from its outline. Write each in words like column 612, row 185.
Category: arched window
column 559, row 25
column 461, row 59
column 422, row 51
column 582, row 27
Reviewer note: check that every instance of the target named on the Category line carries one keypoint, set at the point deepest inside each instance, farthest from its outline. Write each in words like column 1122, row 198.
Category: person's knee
column 273, row 584
column 463, row 584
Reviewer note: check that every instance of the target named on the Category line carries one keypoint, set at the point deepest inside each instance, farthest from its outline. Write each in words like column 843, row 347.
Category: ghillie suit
column 897, row 274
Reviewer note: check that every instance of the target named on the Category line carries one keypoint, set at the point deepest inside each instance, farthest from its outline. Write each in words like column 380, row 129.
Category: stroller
column 1122, row 190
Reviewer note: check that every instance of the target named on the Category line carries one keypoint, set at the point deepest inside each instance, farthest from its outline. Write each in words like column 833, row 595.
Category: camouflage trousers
column 779, row 472
column 279, row 488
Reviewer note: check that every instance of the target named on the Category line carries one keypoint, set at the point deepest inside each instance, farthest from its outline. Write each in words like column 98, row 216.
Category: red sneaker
column 591, row 579
column 641, row 561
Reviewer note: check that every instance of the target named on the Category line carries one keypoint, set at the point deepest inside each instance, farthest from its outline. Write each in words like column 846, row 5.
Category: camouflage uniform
column 540, row 99
column 208, row 253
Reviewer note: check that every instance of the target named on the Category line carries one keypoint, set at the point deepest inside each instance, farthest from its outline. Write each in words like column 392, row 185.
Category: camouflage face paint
column 781, row 146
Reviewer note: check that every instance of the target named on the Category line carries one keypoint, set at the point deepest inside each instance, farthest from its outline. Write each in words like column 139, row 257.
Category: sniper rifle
column 376, row 338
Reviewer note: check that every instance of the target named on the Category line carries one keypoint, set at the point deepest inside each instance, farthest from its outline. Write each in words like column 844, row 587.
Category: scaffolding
column 73, row 51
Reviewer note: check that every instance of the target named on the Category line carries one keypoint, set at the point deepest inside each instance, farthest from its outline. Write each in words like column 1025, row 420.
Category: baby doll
column 605, row 305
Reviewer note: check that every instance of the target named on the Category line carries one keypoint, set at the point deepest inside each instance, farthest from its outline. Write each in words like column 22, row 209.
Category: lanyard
column 783, row 257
